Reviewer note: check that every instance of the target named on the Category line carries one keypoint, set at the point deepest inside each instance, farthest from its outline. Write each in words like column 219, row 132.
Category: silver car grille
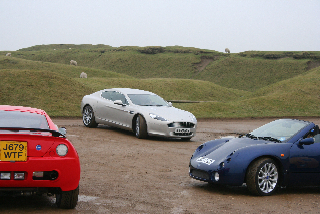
column 184, row 134
column 181, row 125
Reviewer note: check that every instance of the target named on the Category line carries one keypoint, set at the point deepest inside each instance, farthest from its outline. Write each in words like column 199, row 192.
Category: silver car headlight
column 157, row 117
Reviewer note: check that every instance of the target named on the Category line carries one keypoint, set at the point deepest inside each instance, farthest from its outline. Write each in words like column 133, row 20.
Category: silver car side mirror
column 119, row 102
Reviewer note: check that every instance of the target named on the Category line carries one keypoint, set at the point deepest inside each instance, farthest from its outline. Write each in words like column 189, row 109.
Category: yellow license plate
column 13, row 151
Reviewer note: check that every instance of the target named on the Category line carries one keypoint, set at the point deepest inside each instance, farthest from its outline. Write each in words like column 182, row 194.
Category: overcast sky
column 240, row 25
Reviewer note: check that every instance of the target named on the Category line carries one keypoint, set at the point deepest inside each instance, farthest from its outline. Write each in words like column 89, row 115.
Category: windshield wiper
column 151, row 105
column 263, row 138
column 251, row 136
column 271, row 139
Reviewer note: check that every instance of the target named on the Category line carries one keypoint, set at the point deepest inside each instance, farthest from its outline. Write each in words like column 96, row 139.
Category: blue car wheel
column 262, row 177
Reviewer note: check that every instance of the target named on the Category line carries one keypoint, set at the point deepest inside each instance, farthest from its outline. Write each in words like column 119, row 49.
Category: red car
column 36, row 157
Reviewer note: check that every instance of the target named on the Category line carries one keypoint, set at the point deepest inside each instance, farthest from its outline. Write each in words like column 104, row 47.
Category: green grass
column 249, row 84
column 63, row 69
column 228, row 70
column 298, row 96
column 132, row 63
column 57, row 94
column 249, row 73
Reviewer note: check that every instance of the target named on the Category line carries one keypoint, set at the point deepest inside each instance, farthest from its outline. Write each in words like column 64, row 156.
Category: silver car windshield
column 10, row 119
column 280, row 130
column 147, row 100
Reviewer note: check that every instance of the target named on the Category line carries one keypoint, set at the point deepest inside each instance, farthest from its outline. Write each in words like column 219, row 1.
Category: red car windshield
column 22, row 119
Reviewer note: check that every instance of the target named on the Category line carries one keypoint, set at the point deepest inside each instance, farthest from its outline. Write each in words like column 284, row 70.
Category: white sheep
column 72, row 62
column 8, row 54
column 227, row 50
column 83, row 75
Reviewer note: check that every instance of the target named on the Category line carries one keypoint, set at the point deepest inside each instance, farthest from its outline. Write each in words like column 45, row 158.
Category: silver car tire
column 141, row 127
column 263, row 177
column 88, row 117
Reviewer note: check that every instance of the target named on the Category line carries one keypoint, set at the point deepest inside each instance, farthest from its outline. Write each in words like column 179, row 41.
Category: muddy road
column 122, row 174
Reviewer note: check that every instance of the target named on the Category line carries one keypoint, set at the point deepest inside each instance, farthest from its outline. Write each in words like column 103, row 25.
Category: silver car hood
column 171, row 113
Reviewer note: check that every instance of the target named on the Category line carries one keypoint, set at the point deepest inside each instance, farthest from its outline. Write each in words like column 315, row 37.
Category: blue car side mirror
column 307, row 141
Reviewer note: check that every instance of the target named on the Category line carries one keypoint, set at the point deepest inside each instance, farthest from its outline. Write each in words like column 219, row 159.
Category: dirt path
column 122, row 174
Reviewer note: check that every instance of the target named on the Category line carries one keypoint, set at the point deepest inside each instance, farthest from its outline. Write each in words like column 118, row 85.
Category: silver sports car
column 142, row 112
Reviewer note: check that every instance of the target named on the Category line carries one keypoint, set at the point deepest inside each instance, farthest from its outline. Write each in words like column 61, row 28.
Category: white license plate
column 182, row 130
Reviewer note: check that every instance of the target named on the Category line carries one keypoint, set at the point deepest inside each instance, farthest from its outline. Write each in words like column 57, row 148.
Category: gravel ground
column 122, row 174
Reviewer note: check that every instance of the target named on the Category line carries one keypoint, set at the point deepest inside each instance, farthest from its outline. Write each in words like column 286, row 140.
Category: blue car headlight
column 216, row 176
column 157, row 117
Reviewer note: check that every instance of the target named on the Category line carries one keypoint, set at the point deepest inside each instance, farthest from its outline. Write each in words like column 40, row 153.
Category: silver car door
column 120, row 111
column 104, row 105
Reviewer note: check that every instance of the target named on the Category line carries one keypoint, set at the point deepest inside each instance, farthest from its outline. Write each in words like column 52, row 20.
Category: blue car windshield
column 147, row 100
column 11, row 119
column 280, row 130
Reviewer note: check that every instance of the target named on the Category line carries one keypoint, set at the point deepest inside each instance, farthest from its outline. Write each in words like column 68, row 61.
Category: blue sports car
column 284, row 152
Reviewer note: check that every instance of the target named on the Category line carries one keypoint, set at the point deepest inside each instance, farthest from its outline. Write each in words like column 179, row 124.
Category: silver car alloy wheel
column 87, row 115
column 137, row 126
column 268, row 177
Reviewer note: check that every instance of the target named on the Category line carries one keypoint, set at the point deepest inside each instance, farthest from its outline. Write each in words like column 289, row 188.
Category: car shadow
column 30, row 202
column 225, row 189
column 299, row 190
column 131, row 134
column 242, row 190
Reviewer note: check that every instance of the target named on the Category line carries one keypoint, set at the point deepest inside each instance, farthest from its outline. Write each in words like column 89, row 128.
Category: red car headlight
column 62, row 150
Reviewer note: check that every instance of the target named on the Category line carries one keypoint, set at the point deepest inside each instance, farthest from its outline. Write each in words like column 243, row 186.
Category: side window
column 113, row 95
column 119, row 96
column 107, row 95
column 314, row 132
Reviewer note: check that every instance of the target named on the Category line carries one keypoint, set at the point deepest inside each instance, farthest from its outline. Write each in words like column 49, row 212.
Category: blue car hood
column 218, row 150
column 239, row 143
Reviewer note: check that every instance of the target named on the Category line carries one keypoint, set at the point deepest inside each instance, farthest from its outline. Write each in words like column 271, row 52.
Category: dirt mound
column 312, row 65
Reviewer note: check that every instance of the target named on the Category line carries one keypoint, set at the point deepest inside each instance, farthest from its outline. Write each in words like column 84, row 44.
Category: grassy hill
column 245, row 71
column 249, row 84
column 251, row 73
column 149, row 62
column 297, row 96
column 58, row 89
column 56, row 94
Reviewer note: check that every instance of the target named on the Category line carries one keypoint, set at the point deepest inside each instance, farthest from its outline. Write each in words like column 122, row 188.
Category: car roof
column 130, row 91
column 22, row 109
